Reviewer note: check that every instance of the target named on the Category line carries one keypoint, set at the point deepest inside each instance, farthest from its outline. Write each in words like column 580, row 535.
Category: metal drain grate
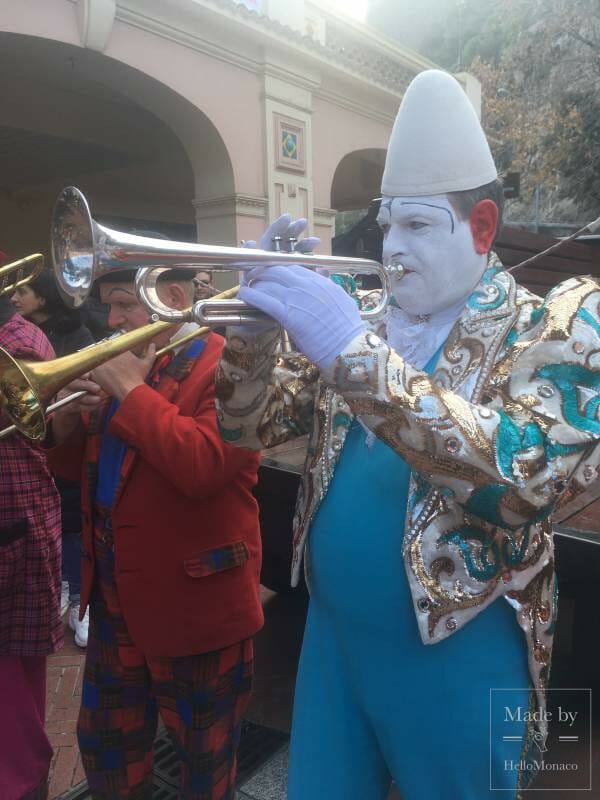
column 166, row 761
column 257, row 745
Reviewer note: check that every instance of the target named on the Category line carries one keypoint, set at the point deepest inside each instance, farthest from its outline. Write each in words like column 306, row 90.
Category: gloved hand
column 286, row 229
column 318, row 315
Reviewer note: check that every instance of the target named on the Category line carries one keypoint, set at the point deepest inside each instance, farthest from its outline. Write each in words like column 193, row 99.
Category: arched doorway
column 140, row 152
column 356, row 182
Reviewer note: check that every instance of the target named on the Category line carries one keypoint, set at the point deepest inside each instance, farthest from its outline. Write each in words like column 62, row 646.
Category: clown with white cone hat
column 426, row 541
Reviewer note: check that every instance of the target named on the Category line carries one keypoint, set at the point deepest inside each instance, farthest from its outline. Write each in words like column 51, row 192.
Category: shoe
column 64, row 597
column 79, row 627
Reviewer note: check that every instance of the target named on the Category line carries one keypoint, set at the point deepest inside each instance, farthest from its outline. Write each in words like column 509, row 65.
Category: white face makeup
column 435, row 248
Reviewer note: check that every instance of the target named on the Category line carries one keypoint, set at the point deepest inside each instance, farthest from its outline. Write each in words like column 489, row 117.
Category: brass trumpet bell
column 18, row 399
column 26, row 387
column 20, row 272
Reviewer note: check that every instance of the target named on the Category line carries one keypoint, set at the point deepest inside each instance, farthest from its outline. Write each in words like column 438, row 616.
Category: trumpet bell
column 20, row 272
column 19, row 401
column 73, row 246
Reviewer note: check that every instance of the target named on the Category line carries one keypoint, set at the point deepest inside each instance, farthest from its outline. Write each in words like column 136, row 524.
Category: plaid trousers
column 201, row 700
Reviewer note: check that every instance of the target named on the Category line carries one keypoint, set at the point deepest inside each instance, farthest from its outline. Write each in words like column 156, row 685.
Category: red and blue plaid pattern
column 216, row 560
column 30, row 534
column 201, row 700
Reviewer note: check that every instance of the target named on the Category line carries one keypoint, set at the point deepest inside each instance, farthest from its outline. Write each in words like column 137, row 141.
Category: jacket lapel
column 471, row 348
column 470, row 351
column 166, row 375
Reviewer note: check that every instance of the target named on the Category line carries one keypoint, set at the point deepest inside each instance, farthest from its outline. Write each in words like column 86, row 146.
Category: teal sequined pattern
column 491, row 295
column 341, row 419
column 588, row 318
column 484, row 503
column 489, row 553
column 511, row 440
column 579, row 387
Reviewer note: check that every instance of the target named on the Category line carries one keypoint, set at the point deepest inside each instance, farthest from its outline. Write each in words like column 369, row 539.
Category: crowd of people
column 439, row 446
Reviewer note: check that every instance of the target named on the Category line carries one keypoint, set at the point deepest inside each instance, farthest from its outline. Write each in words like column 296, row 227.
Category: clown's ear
column 483, row 222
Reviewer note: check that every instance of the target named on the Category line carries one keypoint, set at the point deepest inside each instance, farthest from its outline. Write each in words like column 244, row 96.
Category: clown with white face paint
column 435, row 267
column 435, row 248
column 484, row 403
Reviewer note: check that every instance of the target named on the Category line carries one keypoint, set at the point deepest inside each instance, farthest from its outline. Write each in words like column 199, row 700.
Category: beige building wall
column 242, row 116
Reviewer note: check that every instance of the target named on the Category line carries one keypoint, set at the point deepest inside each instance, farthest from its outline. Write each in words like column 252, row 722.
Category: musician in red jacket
column 171, row 558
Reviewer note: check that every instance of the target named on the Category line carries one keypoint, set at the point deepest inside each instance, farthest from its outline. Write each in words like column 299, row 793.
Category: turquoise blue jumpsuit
column 373, row 703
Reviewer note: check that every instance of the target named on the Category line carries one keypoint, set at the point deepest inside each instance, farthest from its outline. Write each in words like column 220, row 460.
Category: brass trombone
column 83, row 251
column 26, row 387
column 20, row 272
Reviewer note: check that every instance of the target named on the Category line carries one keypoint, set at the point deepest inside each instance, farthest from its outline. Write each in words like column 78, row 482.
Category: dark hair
column 464, row 202
column 45, row 286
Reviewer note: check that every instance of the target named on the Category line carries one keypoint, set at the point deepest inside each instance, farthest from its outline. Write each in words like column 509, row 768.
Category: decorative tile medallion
column 289, row 144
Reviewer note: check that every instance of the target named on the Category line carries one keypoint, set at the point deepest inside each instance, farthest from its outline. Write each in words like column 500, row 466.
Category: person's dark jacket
column 67, row 334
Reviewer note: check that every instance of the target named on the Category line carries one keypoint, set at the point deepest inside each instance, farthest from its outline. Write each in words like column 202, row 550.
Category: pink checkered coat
column 30, row 543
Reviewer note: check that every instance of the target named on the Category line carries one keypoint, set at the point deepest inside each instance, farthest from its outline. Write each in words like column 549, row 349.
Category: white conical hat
column 437, row 143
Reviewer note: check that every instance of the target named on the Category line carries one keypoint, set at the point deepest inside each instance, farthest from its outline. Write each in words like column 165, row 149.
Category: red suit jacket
column 185, row 522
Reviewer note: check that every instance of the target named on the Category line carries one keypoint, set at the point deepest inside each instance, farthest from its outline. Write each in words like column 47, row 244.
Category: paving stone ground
column 65, row 673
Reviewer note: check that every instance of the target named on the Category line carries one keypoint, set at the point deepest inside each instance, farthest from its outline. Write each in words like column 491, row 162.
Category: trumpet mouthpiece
column 394, row 270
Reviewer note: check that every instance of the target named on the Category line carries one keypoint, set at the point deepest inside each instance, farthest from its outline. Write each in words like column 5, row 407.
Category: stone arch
column 140, row 149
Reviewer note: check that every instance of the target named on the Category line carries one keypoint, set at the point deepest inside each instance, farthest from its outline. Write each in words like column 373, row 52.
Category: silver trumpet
column 83, row 251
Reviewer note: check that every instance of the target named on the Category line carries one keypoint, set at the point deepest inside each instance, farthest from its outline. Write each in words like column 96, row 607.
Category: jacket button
column 589, row 472
column 423, row 604
column 451, row 624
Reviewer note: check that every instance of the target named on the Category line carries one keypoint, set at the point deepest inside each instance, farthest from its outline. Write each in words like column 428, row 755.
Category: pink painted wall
column 337, row 132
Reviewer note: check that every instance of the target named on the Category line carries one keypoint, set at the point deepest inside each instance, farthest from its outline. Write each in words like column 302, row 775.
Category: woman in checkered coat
column 30, row 570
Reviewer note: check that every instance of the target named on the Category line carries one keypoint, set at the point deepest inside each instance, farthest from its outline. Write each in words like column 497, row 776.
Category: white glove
column 318, row 314
column 286, row 229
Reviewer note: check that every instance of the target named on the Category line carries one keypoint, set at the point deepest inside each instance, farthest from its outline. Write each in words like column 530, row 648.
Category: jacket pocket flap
column 216, row 560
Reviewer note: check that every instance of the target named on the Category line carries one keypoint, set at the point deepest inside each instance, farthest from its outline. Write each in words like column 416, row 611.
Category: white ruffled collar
column 417, row 339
